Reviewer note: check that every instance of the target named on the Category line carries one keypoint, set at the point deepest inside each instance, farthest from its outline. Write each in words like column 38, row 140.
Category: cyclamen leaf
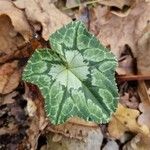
column 76, row 77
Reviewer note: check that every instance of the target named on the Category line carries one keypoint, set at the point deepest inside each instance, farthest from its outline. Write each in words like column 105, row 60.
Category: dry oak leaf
column 44, row 12
column 144, row 118
column 117, row 32
column 17, row 17
column 9, row 77
column 125, row 120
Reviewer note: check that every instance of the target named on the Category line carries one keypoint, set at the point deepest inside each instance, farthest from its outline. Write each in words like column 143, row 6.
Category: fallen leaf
column 143, row 92
column 74, row 128
column 9, row 77
column 9, row 98
column 36, row 114
column 9, row 39
column 143, row 51
column 10, row 129
column 93, row 139
column 111, row 145
column 72, row 3
column 144, row 118
column 125, row 120
column 17, row 17
column 139, row 142
column 44, row 12
column 130, row 102
column 116, row 3
column 126, row 62
column 117, row 32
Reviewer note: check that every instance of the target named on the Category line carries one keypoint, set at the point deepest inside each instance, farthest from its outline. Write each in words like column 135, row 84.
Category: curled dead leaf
column 45, row 13
column 117, row 32
column 124, row 120
column 17, row 17
column 9, row 39
column 9, row 77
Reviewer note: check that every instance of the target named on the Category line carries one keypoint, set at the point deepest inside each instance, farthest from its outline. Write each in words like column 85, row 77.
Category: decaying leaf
column 17, row 17
column 74, row 128
column 128, row 101
column 143, row 92
column 116, row 32
column 143, row 51
column 9, row 77
column 36, row 114
column 117, row 3
column 45, row 13
column 8, row 99
column 93, row 140
column 72, row 3
column 144, row 118
column 125, row 120
column 111, row 145
column 9, row 39
column 139, row 142
column 76, row 77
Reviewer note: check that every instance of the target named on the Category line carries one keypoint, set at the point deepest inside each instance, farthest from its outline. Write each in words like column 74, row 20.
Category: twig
column 133, row 77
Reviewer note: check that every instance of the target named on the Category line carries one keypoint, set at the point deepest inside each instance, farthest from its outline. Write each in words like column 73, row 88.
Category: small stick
column 133, row 77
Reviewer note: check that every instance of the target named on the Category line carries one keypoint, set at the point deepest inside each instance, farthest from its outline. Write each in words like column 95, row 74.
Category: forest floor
column 123, row 26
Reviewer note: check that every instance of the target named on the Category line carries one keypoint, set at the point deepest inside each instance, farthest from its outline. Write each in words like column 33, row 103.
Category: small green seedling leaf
column 75, row 76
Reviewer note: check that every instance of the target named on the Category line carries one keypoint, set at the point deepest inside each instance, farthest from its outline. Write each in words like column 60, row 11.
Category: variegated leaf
column 76, row 77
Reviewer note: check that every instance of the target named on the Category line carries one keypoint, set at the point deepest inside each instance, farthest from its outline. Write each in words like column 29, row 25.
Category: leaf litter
column 116, row 26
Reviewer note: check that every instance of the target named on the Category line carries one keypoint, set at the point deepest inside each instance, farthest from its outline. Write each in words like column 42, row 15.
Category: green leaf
column 75, row 76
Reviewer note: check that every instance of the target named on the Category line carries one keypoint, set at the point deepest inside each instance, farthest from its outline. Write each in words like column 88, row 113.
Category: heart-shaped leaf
column 76, row 77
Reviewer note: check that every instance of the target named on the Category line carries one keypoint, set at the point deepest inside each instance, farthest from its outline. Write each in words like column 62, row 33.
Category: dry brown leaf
column 92, row 141
column 9, row 39
column 17, row 17
column 139, row 142
column 36, row 114
column 117, row 32
column 143, row 92
column 74, row 128
column 44, row 12
column 71, row 3
column 111, row 145
column 9, row 77
column 130, row 102
column 124, row 120
column 10, row 129
column 143, row 51
column 9, row 98
column 144, row 118
column 117, row 3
